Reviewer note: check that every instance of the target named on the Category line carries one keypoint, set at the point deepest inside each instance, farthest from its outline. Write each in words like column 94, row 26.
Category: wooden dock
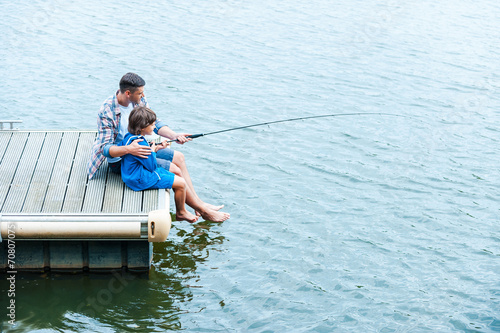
column 43, row 173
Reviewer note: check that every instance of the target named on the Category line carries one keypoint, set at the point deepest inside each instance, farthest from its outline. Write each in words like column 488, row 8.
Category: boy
column 145, row 173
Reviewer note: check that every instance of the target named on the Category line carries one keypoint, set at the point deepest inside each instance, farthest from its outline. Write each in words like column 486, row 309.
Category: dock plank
column 113, row 195
column 24, row 172
column 42, row 174
column 9, row 163
column 150, row 200
column 54, row 197
column 4, row 141
column 132, row 201
column 75, row 192
column 94, row 191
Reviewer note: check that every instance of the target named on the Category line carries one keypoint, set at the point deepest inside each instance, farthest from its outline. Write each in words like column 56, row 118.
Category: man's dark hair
column 140, row 118
column 131, row 81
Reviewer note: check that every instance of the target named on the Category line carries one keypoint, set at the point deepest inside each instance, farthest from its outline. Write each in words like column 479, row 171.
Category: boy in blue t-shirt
column 144, row 173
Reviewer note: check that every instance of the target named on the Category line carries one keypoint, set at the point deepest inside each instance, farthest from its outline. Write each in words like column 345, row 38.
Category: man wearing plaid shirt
column 112, row 126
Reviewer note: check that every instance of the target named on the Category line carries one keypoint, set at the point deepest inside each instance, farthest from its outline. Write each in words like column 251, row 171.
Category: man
column 112, row 126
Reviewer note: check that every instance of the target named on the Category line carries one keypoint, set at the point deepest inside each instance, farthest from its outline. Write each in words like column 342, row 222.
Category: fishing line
column 194, row 136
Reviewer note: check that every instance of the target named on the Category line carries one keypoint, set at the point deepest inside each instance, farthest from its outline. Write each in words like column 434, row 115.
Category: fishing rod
column 194, row 136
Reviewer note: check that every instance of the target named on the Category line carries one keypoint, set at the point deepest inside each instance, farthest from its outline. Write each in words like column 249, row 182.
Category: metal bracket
column 11, row 122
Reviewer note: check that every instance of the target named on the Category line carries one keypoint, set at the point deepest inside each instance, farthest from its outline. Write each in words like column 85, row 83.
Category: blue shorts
column 164, row 157
column 166, row 181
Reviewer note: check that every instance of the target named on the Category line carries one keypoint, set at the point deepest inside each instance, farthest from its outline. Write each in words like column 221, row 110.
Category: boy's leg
column 181, row 214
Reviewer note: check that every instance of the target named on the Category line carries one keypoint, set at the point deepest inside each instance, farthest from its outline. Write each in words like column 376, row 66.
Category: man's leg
column 116, row 167
column 174, row 161
column 203, row 209
column 179, row 168
column 164, row 157
column 179, row 160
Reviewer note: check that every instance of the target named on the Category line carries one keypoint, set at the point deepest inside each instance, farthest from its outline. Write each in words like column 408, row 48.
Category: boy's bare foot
column 215, row 216
column 186, row 216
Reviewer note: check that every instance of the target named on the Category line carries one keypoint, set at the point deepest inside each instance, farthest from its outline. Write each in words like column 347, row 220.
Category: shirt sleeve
column 105, row 128
column 105, row 150
column 159, row 124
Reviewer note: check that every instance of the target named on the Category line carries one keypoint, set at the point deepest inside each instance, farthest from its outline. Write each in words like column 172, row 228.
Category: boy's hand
column 162, row 145
column 153, row 146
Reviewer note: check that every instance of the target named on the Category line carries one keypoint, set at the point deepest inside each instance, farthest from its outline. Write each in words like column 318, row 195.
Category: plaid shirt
column 108, row 126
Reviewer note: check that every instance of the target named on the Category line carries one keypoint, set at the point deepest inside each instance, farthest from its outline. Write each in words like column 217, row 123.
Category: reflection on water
column 194, row 247
column 120, row 299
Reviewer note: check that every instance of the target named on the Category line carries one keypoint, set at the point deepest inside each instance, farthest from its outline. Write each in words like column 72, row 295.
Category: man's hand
column 138, row 150
column 181, row 138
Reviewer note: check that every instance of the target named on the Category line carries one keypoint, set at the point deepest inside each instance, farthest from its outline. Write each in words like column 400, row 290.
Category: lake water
column 348, row 224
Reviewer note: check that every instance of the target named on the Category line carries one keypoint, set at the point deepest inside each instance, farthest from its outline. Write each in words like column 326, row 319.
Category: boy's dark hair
column 131, row 81
column 140, row 118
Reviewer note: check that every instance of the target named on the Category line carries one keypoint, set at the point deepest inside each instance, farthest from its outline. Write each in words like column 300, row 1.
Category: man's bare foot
column 210, row 207
column 215, row 216
column 186, row 216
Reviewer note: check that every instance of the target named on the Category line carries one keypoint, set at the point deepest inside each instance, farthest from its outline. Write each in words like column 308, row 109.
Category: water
column 365, row 224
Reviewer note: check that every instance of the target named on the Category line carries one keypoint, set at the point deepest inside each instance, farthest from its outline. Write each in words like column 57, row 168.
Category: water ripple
column 349, row 224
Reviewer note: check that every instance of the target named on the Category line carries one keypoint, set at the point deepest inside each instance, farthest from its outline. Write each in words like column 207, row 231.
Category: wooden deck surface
column 45, row 172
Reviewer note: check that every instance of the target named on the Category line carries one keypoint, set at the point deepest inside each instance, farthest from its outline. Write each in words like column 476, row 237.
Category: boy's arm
column 149, row 162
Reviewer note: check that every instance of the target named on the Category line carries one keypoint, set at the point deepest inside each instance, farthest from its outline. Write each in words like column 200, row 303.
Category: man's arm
column 134, row 148
column 168, row 133
column 148, row 162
